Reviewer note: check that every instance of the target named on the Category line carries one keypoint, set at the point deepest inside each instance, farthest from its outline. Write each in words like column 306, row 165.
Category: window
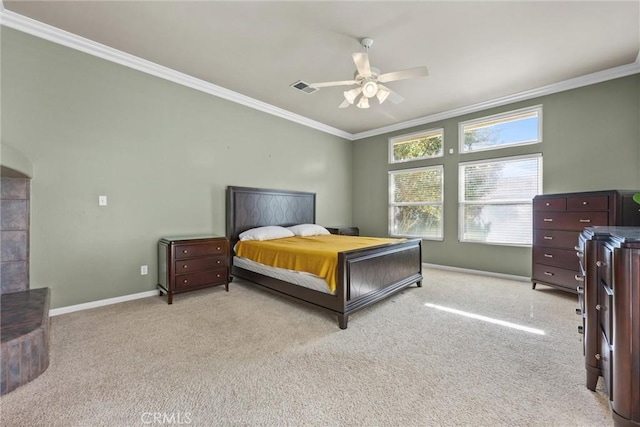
column 415, row 202
column 495, row 199
column 416, row 146
column 518, row 127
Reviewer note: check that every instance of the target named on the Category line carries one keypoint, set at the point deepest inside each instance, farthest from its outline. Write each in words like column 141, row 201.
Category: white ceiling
column 476, row 51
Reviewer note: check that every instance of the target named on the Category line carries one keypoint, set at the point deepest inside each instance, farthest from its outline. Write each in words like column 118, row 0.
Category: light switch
column 450, row 150
column 102, row 200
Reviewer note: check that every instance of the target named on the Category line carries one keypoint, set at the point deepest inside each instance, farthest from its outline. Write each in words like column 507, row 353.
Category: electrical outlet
column 102, row 200
column 144, row 270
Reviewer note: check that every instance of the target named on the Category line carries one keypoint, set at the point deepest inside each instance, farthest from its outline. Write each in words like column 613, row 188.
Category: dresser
column 558, row 220
column 192, row 262
column 610, row 308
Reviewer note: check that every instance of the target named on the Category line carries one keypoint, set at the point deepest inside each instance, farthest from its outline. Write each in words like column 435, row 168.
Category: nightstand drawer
column 207, row 277
column 201, row 249
column 197, row 264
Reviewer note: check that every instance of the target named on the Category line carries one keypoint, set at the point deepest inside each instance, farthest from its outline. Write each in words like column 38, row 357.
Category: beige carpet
column 248, row 358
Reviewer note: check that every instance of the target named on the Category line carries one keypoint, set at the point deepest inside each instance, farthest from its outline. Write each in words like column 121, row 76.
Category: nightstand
column 345, row 231
column 192, row 262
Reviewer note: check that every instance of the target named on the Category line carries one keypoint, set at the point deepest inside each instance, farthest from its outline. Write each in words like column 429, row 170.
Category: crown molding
column 586, row 80
column 47, row 32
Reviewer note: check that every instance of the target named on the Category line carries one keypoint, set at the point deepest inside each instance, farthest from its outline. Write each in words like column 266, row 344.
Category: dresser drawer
column 202, row 278
column 605, row 359
column 201, row 249
column 603, row 264
column 554, row 204
column 555, row 238
column 570, row 220
column 605, row 311
column 563, row 277
column 197, row 264
column 588, row 203
column 557, row 257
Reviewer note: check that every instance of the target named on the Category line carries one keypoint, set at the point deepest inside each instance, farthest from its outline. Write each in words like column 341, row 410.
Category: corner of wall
column 13, row 161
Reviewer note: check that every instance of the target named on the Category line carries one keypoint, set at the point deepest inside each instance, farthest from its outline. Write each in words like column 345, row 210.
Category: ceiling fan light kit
column 368, row 79
column 363, row 103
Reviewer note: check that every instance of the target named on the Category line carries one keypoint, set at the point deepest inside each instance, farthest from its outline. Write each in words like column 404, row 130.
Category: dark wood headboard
column 257, row 207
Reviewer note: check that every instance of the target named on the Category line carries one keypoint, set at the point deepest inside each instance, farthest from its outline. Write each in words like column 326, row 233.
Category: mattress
column 313, row 254
column 299, row 278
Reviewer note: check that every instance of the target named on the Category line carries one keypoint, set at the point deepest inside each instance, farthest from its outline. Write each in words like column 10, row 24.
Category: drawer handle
column 547, row 204
column 585, row 203
column 184, row 266
column 548, row 220
column 218, row 275
column 185, row 251
column 548, row 238
column 598, row 307
column 548, row 256
column 601, row 264
column 546, row 273
column 218, row 248
column 585, row 220
column 579, row 278
column 184, row 281
column 598, row 357
column 576, row 247
column 580, row 290
column 219, row 261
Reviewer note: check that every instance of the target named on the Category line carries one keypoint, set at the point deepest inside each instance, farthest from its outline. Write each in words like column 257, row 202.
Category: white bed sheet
column 300, row 278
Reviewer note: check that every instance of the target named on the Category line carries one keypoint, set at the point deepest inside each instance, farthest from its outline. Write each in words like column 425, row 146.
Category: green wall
column 162, row 154
column 591, row 141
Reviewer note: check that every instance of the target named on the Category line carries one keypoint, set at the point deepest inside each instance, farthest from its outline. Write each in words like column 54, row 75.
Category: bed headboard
column 256, row 207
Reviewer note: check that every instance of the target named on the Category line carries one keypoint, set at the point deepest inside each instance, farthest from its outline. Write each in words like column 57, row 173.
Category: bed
column 364, row 276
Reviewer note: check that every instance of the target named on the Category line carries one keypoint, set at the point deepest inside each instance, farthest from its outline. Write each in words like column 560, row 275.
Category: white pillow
column 269, row 232
column 304, row 230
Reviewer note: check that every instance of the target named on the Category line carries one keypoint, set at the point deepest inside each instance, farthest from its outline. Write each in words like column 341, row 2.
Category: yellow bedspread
column 314, row 254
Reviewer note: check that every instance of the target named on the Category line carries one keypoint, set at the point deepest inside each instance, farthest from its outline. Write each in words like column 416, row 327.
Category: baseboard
column 101, row 303
column 478, row 272
column 109, row 301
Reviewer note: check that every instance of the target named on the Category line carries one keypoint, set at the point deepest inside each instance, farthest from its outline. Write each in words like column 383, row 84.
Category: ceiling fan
column 368, row 81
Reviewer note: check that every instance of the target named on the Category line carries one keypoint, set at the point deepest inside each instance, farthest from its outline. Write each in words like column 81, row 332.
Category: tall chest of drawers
column 558, row 220
column 610, row 260
column 190, row 263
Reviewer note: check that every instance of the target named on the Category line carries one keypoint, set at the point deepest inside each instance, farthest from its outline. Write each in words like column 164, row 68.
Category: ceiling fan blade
column 337, row 83
column 411, row 73
column 361, row 59
column 344, row 104
column 393, row 96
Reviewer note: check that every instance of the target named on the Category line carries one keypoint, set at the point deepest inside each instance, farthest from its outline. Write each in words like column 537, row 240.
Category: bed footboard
column 367, row 276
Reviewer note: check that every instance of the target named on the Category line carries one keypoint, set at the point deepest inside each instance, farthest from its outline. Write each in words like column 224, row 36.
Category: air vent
column 300, row 85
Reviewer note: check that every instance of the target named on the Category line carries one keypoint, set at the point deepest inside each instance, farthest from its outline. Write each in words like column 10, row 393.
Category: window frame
column 496, row 117
column 414, row 135
column 392, row 204
column 462, row 203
